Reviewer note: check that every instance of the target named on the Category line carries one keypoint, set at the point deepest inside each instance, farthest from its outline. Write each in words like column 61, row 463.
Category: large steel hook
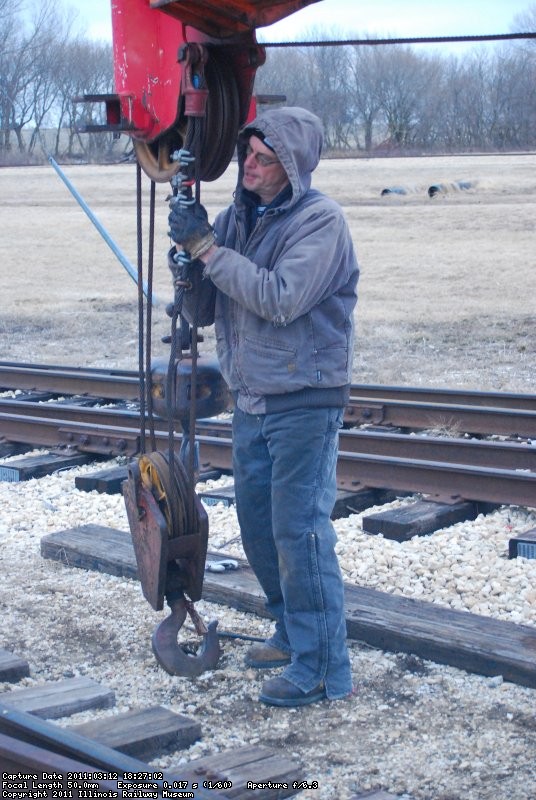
column 175, row 658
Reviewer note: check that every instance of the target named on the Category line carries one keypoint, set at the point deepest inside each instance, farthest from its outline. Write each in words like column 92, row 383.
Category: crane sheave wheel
column 220, row 128
column 219, row 134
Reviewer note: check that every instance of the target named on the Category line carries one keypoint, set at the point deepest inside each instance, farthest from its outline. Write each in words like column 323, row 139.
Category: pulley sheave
column 218, row 133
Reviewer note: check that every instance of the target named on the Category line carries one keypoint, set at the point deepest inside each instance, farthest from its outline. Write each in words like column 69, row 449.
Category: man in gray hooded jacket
column 280, row 278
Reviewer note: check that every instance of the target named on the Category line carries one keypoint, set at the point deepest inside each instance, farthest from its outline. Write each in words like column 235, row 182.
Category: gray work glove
column 189, row 227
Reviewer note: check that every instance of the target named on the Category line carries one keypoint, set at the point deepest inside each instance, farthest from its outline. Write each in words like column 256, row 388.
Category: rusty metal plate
column 149, row 538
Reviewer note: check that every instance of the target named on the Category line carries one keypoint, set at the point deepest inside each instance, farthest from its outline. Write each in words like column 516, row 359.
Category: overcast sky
column 383, row 18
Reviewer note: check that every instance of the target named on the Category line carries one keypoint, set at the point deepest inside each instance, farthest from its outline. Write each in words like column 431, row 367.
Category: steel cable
column 492, row 37
column 141, row 366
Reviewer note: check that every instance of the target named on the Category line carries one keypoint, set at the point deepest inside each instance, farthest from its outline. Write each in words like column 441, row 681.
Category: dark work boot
column 280, row 692
column 264, row 656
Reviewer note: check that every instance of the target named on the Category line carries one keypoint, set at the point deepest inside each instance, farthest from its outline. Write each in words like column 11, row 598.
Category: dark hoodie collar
column 251, row 199
column 254, row 207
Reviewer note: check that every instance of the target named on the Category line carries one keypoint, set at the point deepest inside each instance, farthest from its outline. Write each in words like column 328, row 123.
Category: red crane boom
column 174, row 59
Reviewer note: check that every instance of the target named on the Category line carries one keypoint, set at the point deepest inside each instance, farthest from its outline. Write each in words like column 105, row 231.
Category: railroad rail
column 475, row 413
column 387, row 451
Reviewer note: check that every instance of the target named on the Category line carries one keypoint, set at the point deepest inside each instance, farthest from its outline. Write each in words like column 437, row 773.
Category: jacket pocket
column 268, row 366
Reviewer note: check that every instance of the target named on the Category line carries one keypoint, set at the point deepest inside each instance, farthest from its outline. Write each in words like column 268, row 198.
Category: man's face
column 263, row 172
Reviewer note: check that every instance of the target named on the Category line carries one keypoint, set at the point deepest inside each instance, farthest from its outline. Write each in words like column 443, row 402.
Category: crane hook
column 173, row 657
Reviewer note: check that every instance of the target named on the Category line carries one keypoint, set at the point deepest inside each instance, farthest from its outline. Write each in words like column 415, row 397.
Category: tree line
column 44, row 64
column 373, row 99
column 397, row 98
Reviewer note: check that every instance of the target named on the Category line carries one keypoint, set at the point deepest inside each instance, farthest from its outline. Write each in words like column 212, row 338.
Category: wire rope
column 375, row 42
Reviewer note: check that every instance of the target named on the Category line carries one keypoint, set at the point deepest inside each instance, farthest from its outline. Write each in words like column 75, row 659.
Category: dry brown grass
column 447, row 292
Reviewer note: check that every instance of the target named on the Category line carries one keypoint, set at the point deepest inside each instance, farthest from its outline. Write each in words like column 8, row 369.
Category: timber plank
column 468, row 641
column 523, row 546
column 25, row 468
column 225, row 495
column 346, row 503
column 421, row 518
column 93, row 547
column 12, row 448
column 110, row 480
column 250, row 763
column 12, row 667
column 104, row 481
column 143, row 733
column 390, row 622
column 59, row 699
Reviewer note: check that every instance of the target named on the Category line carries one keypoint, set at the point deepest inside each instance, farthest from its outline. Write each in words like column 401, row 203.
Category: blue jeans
column 285, row 487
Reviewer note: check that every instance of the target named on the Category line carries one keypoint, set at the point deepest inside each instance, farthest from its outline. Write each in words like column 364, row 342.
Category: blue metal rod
column 103, row 232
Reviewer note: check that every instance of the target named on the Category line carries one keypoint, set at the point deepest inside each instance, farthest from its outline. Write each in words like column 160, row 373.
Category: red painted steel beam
column 147, row 42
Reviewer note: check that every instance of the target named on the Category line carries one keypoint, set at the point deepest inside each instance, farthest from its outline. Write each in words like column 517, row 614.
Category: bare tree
column 325, row 80
column 282, row 74
column 403, row 89
column 363, row 95
column 85, row 68
column 30, row 49
column 525, row 22
column 10, row 66
column 313, row 77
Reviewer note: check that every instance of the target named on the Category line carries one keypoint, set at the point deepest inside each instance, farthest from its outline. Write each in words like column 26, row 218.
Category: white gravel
column 414, row 728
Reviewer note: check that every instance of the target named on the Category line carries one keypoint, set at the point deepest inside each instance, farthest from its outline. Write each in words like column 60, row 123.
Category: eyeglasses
column 261, row 159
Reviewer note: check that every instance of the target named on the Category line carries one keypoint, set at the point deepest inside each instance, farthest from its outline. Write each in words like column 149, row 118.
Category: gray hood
column 296, row 137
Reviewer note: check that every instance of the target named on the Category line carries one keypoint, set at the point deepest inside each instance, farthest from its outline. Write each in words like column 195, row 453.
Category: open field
column 447, row 291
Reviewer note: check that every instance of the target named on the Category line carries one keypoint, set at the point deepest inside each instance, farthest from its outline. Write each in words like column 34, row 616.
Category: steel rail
column 480, row 420
column 356, row 470
column 444, row 482
column 23, row 365
column 43, row 431
column 476, row 452
column 526, row 402
column 70, row 381
column 97, row 382
column 496, row 454
column 360, row 410
column 72, row 411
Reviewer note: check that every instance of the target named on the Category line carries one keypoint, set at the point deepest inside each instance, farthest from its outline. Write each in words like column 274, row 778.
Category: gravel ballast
column 413, row 728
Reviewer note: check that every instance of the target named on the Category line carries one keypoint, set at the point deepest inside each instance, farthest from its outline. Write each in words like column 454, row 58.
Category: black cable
column 141, row 369
column 231, row 635
column 148, row 348
column 492, row 37
column 171, row 387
